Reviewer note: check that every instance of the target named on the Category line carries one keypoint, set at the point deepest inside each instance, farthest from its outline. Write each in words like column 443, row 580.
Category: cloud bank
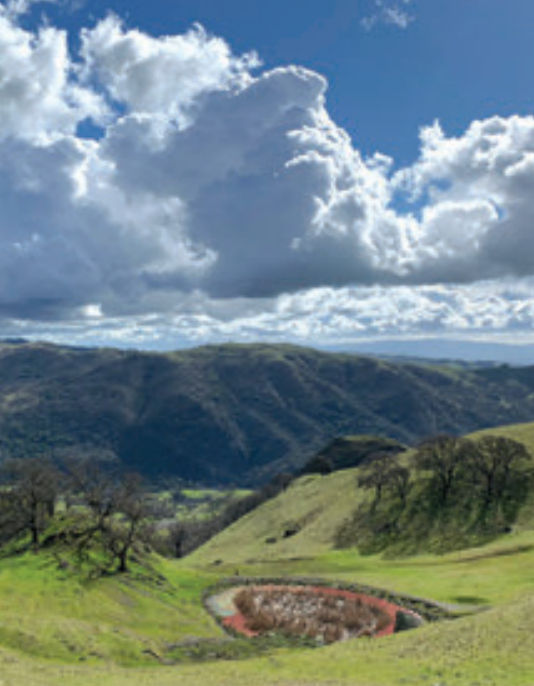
column 206, row 180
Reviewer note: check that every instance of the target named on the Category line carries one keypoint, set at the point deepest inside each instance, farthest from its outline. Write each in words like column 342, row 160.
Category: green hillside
column 524, row 433
column 50, row 610
column 59, row 627
column 488, row 647
column 315, row 507
column 492, row 648
column 235, row 413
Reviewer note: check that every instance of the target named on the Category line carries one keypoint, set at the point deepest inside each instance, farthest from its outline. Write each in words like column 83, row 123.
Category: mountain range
column 236, row 414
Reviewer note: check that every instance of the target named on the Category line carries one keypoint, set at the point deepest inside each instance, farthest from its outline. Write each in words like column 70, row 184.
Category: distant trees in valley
column 182, row 537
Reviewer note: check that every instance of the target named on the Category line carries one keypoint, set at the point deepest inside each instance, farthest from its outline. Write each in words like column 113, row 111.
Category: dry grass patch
column 309, row 612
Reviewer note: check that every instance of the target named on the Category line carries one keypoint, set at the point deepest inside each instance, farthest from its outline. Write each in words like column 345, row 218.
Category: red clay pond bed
column 319, row 612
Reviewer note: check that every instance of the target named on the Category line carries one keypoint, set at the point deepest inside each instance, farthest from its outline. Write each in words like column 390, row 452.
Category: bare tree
column 94, row 491
column 11, row 525
column 129, row 502
column 29, row 498
column 183, row 537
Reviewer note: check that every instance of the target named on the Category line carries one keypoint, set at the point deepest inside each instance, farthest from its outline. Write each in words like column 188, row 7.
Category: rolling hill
column 313, row 509
column 59, row 627
column 235, row 413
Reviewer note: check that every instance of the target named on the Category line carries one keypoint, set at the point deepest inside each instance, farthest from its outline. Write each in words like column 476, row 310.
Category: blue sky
column 325, row 173
column 458, row 60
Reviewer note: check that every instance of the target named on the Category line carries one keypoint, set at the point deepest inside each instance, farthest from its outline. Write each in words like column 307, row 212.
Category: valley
column 151, row 626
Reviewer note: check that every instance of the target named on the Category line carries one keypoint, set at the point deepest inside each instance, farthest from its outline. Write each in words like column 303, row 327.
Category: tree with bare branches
column 29, row 498
column 129, row 502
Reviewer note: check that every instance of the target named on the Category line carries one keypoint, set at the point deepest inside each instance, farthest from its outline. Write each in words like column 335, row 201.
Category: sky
column 335, row 174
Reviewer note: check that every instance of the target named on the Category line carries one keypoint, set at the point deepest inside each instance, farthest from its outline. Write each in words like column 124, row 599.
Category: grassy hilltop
column 56, row 627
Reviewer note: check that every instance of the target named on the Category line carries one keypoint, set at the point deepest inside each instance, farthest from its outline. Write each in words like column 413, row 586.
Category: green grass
column 214, row 493
column 473, row 576
column 524, row 433
column 317, row 506
column 50, row 612
column 56, row 627
column 491, row 648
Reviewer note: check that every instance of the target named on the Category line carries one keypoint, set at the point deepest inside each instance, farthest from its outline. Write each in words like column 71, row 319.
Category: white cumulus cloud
column 217, row 183
column 162, row 75
column 39, row 98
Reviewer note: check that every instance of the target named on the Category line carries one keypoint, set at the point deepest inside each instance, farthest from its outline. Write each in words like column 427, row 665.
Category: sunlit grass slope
column 492, row 647
column 56, row 628
column 315, row 507
column 519, row 432
column 56, row 613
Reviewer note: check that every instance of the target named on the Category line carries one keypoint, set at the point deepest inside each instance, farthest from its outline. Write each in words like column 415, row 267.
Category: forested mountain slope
column 235, row 413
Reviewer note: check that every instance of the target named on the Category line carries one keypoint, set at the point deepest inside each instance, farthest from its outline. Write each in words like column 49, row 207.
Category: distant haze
column 471, row 351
